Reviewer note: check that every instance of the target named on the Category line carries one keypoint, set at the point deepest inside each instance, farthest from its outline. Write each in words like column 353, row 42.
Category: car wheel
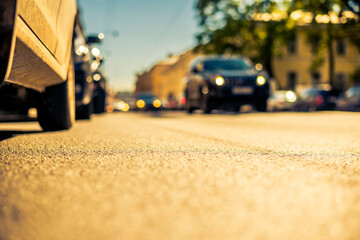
column 236, row 109
column 190, row 110
column 84, row 112
column 311, row 108
column 261, row 106
column 205, row 105
column 56, row 108
column 99, row 102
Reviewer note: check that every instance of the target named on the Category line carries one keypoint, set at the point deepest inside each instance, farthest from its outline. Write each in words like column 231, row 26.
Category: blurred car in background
column 36, row 59
column 171, row 103
column 147, row 102
column 281, row 100
column 350, row 100
column 315, row 99
column 182, row 102
column 83, row 74
column 120, row 106
column 99, row 93
column 225, row 83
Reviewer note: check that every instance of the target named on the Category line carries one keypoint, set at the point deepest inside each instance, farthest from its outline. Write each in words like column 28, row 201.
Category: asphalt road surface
column 173, row 176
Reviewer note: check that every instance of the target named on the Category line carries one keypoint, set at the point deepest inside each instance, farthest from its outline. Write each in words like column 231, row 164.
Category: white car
column 36, row 59
column 282, row 100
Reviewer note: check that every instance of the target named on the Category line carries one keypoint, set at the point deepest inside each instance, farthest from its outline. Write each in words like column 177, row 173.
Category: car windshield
column 354, row 91
column 146, row 97
column 226, row 64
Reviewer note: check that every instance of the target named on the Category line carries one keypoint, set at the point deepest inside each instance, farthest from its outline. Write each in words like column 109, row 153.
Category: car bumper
column 238, row 95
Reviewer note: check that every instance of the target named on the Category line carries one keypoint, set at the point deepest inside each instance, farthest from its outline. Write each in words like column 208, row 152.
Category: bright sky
column 148, row 30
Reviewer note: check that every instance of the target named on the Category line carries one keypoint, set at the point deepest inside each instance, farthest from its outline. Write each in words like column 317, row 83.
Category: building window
column 315, row 46
column 341, row 47
column 316, row 78
column 291, row 80
column 340, row 81
column 292, row 46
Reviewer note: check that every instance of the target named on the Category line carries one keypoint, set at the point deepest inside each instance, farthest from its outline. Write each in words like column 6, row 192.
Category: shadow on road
column 6, row 134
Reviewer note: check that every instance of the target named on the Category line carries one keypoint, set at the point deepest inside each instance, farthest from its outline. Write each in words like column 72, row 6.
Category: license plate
column 242, row 90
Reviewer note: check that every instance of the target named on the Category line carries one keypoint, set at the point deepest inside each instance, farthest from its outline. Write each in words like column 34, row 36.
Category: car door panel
column 34, row 63
column 41, row 17
column 65, row 23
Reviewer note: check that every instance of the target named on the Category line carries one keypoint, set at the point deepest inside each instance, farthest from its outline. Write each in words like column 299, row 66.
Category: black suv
column 225, row 83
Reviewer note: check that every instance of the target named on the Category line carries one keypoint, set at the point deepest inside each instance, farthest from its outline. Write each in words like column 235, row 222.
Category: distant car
column 225, row 83
column 350, row 100
column 147, row 101
column 281, row 100
column 314, row 99
column 36, row 59
column 99, row 93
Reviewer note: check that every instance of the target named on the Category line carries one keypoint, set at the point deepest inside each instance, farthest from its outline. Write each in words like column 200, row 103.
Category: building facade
column 292, row 68
column 166, row 79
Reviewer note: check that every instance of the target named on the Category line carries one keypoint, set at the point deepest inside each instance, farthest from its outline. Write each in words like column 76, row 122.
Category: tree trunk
column 331, row 56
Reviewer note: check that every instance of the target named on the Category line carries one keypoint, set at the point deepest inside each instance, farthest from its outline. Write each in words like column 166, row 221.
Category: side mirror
column 95, row 38
column 195, row 70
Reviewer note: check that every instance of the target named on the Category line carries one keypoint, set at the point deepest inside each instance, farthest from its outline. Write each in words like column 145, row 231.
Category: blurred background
column 310, row 50
column 301, row 44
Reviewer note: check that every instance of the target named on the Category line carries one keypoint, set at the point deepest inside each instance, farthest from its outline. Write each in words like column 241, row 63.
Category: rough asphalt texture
column 174, row 176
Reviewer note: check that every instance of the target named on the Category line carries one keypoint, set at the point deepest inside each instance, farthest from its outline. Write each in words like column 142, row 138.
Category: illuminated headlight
column 219, row 80
column 260, row 80
column 290, row 96
column 140, row 103
column 157, row 103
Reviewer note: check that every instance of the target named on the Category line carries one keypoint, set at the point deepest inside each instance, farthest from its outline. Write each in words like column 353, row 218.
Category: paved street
column 188, row 177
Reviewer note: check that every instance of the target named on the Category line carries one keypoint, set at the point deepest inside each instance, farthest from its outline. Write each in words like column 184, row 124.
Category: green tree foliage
column 231, row 26
column 326, row 34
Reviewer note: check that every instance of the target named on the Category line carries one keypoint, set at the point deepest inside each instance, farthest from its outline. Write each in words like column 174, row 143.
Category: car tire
column 205, row 105
column 56, row 108
column 261, row 106
column 311, row 108
column 84, row 112
column 190, row 109
column 99, row 102
column 236, row 109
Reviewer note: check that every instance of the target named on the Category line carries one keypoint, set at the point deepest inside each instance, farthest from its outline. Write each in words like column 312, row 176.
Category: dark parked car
column 225, row 83
column 147, row 101
column 350, row 100
column 99, row 93
column 84, row 83
column 36, row 59
column 314, row 99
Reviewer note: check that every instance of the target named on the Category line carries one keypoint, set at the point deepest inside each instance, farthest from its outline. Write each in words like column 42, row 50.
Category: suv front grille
column 239, row 81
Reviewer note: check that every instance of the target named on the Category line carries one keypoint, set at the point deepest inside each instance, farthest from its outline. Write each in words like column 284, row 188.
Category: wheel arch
column 8, row 10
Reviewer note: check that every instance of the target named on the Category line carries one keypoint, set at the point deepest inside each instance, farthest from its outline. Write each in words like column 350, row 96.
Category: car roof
column 216, row 57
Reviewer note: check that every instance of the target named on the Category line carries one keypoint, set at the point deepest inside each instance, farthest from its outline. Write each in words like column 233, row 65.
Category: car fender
column 34, row 61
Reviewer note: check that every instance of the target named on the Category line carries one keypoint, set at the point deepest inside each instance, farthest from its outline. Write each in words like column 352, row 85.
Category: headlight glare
column 140, row 103
column 290, row 96
column 219, row 80
column 260, row 80
column 157, row 103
